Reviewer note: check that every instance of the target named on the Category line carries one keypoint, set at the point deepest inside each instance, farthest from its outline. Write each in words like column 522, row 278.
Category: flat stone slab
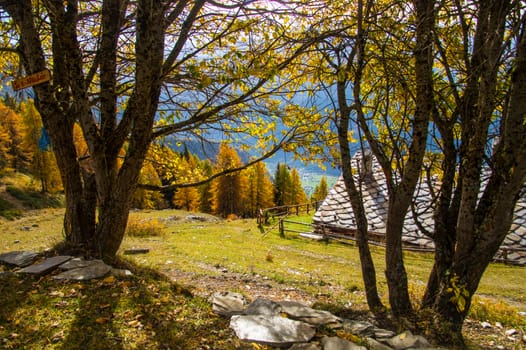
column 97, row 269
column 45, row 266
column 300, row 312
column 407, row 340
column 228, row 303
column 271, row 330
column 305, row 346
column 19, row 258
column 76, row 263
column 335, row 343
column 262, row 306
column 361, row 328
column 134, row 251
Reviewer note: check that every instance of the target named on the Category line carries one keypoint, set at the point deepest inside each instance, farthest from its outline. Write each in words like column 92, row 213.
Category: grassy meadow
column 164, row 305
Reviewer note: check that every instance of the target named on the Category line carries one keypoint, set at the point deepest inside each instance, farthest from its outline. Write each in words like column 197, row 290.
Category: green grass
column 149, row 311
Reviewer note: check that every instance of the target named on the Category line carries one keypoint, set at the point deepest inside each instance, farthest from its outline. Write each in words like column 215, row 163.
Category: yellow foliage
column 144, row 228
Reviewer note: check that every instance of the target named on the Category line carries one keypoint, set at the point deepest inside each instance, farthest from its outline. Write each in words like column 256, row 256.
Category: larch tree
column 115, row 63
column 260, row 189
column 321, row 190
column 187, row 197
column 205, row 190
column 297, row 193
column 18, row 151
column 5, row 139
column 43, row 165
column 229, row 190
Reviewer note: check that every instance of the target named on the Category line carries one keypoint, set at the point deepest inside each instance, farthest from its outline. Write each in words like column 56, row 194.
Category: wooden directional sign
column 33, row 79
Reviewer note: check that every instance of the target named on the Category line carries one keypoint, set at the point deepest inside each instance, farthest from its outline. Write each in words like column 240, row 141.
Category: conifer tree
column 147, row 199
column 297, row 193
column 282, row 184
column 260, row 189
column 187, row 197
column 229, row 190
column 321, row 190
column 18, row 156
column 43, row 165
column 205, row 190
column 5, row 141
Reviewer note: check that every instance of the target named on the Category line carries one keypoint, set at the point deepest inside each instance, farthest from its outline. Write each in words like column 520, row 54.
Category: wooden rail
column 348, row 236
column 264, row 215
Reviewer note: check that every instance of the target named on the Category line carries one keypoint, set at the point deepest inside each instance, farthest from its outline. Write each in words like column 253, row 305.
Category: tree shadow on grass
column 146, row 311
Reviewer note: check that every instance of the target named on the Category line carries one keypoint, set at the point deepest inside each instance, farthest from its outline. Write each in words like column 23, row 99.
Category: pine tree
column 282, row 185
column 229, row 190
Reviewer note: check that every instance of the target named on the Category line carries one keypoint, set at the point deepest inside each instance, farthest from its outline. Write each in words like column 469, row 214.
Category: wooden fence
column 282, row 211
column 322, row 232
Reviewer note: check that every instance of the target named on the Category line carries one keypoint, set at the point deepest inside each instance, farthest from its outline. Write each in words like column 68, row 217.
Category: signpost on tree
column 33, row 79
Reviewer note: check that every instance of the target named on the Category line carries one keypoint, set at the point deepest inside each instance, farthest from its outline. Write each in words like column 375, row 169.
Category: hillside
column 19, row 193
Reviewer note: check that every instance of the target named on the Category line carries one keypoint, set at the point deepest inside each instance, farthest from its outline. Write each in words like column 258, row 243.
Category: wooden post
column 281, row 228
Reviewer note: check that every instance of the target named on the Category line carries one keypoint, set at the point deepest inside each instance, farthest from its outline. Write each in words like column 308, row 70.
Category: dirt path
column 478, row 336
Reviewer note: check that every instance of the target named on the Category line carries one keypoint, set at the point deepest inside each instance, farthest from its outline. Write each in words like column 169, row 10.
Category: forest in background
column 24, row 148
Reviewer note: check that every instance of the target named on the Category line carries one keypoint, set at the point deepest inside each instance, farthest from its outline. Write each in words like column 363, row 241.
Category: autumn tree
column 461, row 66
column 148, row 199
column 205, row 190
column 214, row 63
column 297, row 193
column 229, row 191
column 187, row 197
column 260, row 189
column 5, row 144
column 43, row 165
column 321, row 190
column 17, row 154
column 480, row 116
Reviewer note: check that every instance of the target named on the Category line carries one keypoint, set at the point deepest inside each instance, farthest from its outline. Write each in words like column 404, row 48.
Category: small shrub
column 7, row 211
column 491, row 311
column 269, row 257
column 144, row 228
column 231, row 217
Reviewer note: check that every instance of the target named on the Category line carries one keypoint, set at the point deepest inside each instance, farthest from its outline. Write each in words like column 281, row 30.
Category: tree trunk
column 355, row 196
column 98, row 193
column 395, row 271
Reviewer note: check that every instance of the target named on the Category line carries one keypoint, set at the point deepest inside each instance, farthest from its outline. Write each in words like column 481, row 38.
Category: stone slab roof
column 335, row 213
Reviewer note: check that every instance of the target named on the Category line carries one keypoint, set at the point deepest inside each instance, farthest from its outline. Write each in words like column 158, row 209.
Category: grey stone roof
column 335, row 214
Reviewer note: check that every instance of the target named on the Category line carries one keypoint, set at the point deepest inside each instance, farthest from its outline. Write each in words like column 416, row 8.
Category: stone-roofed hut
column 335, row 216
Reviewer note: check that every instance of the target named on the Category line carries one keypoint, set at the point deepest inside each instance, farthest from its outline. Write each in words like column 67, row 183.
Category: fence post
column 281, row 228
